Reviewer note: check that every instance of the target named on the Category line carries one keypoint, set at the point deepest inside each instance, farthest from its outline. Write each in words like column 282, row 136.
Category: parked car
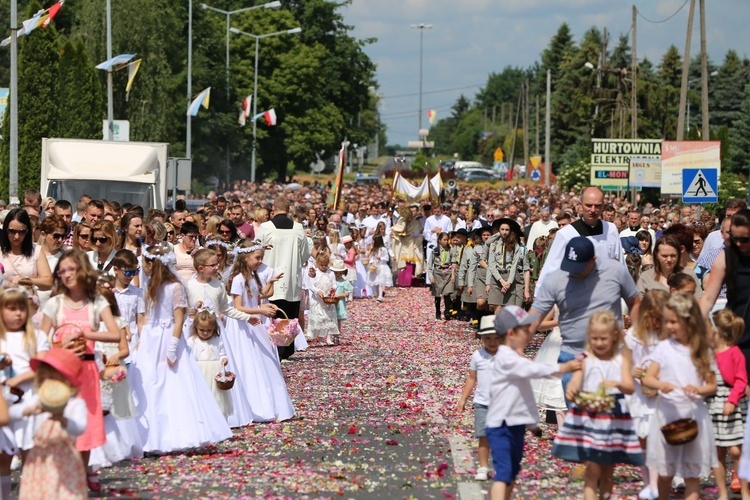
column 478, row 174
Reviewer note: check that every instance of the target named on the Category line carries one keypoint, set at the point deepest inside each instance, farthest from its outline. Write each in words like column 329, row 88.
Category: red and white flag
column 245, row 111
column 52, row 11
column 270, row 117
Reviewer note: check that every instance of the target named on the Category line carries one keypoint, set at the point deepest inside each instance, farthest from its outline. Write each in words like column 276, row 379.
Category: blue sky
column 472, row 38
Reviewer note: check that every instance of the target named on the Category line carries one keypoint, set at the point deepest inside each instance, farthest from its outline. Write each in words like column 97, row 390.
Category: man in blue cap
column 583, row 284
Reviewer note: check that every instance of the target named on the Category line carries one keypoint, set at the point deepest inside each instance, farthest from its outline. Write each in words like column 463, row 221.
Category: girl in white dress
column 379, row 274
column 640, row 341
column 177, row 408
column 681, row 369
column 19, row 342
column 322, row 321
column 548, row 392
column 259, row 393
column 207, row 349
column 360, row 284
column 120, row 424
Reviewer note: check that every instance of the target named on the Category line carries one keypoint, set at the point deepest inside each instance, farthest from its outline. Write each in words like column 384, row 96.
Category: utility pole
column 13, row 164
column 548, row 132
column 526, row 124
column 685, row 71
column 704, row 74
column 421, row 27
column 634, row 83
column 536, row 126
column 513, row 131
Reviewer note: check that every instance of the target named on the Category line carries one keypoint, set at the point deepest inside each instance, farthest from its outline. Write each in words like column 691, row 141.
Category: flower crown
column 257, row 245
column 220, row 243
column 167, row 259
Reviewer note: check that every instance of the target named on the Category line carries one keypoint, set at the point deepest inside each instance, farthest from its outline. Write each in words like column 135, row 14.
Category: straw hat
column 338, row 266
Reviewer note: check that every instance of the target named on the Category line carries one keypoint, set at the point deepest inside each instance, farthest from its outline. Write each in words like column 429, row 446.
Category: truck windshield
column 122, row 192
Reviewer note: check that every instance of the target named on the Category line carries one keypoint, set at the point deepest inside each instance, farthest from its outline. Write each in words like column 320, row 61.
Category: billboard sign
column 610, row 159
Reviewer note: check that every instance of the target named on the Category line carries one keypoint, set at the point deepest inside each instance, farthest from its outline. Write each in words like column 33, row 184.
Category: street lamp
column 690, row 82
column 421, row 27
column 228, row 13
column 257, row 39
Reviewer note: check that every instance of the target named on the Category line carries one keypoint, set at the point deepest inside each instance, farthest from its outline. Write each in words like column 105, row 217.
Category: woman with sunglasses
column 82, row 236
column 228, row 232
column 103, row 239
column 19, row 256
column 732, row 268
column 53, row 231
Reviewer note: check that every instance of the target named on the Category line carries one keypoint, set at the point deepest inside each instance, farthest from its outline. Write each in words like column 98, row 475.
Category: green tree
column 37, row 105
column 80, row 97
column 739, row 141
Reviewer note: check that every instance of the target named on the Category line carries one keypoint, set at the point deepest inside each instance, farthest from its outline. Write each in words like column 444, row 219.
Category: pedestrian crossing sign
column 700, row 185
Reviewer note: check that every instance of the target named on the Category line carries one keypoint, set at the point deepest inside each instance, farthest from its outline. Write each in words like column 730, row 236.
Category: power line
column 663, row 20
column 412, row 94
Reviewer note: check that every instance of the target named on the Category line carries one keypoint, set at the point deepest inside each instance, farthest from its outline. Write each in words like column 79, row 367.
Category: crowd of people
column 156, row 324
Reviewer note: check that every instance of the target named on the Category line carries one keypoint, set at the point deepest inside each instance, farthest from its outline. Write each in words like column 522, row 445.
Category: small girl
column 54, row 467
column 75, row 302
column 321, row 319
column 440, row 274
column 728, row 409
column 681, row 369
column 19, row 342
column 343, row 289
column 379, row 275
column 259, row 393
column 640, row 341
column 682, row 283
column 600, row 440
column 176, row 406
column 207, row 349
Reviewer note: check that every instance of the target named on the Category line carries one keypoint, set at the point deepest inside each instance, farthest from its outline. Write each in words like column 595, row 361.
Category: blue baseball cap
column 578, row 253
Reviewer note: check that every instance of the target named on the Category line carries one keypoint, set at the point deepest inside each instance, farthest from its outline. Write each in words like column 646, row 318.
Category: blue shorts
column 480, row 420
column 506, row 445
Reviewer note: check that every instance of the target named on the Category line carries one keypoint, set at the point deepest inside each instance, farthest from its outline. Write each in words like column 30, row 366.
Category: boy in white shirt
column 479, row 376
column 512, row 404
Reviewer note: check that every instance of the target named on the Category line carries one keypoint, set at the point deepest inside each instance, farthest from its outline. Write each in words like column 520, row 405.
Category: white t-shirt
column 481, row 362
column 676, row 367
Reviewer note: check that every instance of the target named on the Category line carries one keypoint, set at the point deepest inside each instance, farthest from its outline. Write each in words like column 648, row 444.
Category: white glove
column 172, row 350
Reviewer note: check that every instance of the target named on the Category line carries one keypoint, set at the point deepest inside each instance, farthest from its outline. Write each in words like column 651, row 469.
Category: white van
column 460, row 165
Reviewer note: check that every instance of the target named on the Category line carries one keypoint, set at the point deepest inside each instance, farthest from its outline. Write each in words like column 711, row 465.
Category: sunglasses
column 740, row 239
column 131, row 272
column 19, row 232
column 99, row 239
column 170, row 233
column 84, row 236
column 58, row 236
column 225, row 232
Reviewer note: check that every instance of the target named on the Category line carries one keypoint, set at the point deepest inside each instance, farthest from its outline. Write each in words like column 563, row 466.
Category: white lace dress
column 176, row 407
column 321, row 319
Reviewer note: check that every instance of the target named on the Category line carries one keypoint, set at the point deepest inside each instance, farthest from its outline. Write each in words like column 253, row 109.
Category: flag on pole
column 270, row 117
column 200, row 100
column 245, row 111
column 33, row 23
column 335, row 198
column 132, row 71
column 52, row 12
column 431, row 115
column 115, row 61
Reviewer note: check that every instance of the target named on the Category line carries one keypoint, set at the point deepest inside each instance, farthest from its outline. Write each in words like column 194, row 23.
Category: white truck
column 127, row 172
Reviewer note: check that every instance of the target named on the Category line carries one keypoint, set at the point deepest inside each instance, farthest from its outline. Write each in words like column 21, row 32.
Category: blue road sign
column 536, row 175
column 700, row 185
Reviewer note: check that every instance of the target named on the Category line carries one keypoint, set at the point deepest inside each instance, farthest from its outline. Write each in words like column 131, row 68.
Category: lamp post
column 690, row 82
column 110, row 105
column 13, row 164
column 421, row 27
column 257, row 39
column 229, row 13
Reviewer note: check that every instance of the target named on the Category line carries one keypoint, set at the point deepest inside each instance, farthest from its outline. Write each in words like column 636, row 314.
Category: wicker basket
column 67, row 333
column 680, row 431
column 331, row 300
column 282, row 331
column 225, row 380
